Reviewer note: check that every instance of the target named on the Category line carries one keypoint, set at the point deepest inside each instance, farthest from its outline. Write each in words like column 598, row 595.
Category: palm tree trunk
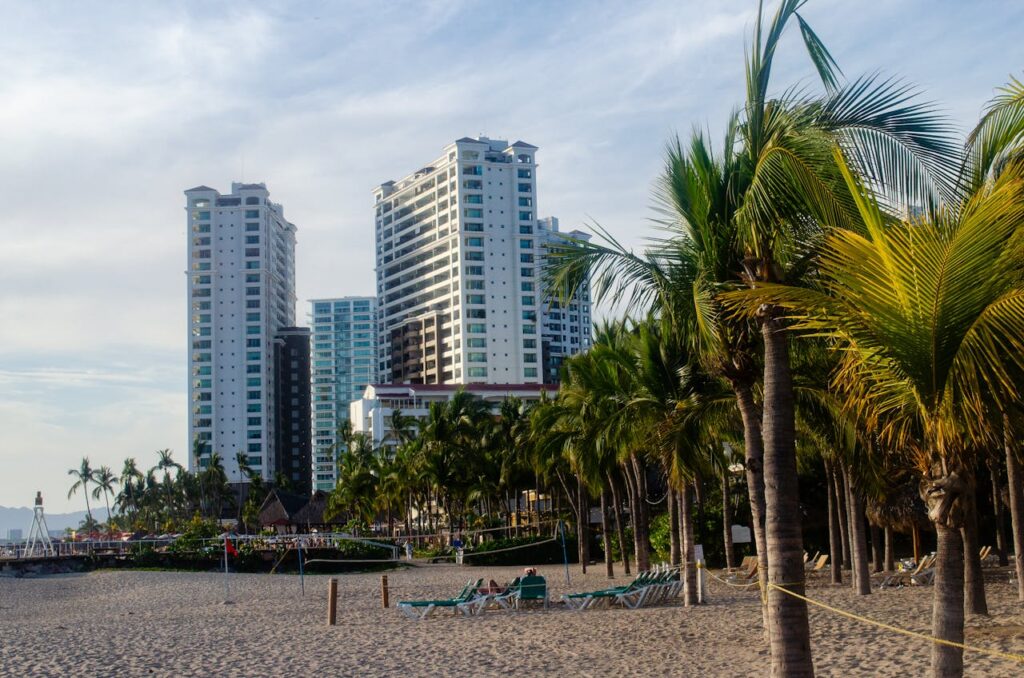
column 606, row 537
column 643, row 522
column 517, row 512
column 536, row 501
column 617, row 513
column 673, row 527
column 689, row 573
column 639, row 553
column 834, row 546
column 727, row 520
column 790, row 634
column 858, row 541
column 1015, row 484
column 997, row 507
column 753, row 444
column 844, row 524
column 890, row 557
column 948, row 608
column 974, row 579
column 582, row 525
column 876, row 548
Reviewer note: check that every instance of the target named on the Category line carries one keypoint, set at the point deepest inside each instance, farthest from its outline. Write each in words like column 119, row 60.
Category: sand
column 122, row 623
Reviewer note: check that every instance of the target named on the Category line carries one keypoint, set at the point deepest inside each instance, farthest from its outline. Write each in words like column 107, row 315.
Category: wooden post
column 332, row 601
column 383, row 590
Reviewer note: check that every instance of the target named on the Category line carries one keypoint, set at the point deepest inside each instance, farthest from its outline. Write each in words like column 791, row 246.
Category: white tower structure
column 241, row 294
column 39, row 535
column 457, row 268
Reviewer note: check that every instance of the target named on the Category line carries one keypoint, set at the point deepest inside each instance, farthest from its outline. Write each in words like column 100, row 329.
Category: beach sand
column 124, row 623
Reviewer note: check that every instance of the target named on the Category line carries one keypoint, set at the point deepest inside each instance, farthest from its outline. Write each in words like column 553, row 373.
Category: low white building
column 371, row 414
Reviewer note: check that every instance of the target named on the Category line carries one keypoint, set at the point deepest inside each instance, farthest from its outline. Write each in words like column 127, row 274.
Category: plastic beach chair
column 421, row 609
column 587, row 599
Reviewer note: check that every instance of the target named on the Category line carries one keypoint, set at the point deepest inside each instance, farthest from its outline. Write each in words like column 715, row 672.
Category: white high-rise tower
column 241, row 288
column 458, row 274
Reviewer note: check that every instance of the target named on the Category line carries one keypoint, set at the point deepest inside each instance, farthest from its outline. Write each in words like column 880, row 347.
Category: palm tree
column 128, row 500
column 83, row 476
column 929, row 316
column 165, row 463
column 105, row 480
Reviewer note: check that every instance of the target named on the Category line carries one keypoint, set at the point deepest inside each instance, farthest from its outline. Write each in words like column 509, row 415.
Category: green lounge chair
column 481, row 603
column 421, row 609
column 589, row 599
column 532, row 588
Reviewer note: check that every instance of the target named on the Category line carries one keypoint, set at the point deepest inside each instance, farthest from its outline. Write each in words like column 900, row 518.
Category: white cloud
column 110, row 111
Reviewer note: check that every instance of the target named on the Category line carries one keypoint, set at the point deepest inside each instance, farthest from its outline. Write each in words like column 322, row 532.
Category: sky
column 109, row 111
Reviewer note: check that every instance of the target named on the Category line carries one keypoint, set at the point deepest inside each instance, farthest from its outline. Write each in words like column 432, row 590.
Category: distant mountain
column 20, row 518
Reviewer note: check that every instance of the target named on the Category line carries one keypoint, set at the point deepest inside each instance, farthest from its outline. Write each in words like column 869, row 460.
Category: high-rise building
column 565, row 329
column 241, row 291
column 344, row 363
column 458, row 276
column 294, row 443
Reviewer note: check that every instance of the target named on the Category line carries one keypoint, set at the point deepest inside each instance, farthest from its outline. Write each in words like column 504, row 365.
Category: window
column 528, row 301
column 254, row 381
column 474, row 226
column 529, row 343
column 526, row 258
column 525, row 230
column 252, row 200
column 529, row 371
column 473, row 184
column 474, row 242
column 476, row 328
column 526, row 244
column 202, row 216
column 473, row 170
column 477, row 371
column 253, row 435
column 252, row 240
column 254, row 421
column 252, row 369
column 473, row 213
column 252, row 291
column 252, row 251
column 473, row 199
column 200, row 202
column 529, row 329
column 252, row 317
column 525, row 174
column 252, row 343
column 530, row 315
column 525, row 188
column 526, row 286
column 254, row 395
column 476, row 342
column 526, row 202
column 474, row 270
column 474, row 255
column 476, row 357
column 252, row 214
column 252, row 265
column 252, row 226
column 476, row 313
column 252, row 277
column 529, row 357
column 525, row 216
column 474, row 284
column 526, row 272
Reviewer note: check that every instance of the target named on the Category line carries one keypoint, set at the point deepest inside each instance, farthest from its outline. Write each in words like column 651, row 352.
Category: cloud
column 112, row 110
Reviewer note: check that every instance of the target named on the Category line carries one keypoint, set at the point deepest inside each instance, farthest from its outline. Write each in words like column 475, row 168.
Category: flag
column 229, row 547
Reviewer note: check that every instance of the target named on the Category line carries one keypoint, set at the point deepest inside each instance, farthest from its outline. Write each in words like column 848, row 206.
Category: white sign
column 698, row 553
column 740, row 534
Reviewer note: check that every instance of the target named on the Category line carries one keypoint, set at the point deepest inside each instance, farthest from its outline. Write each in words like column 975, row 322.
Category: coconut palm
column 929, row 316
column 105, row 480
column 83, row 475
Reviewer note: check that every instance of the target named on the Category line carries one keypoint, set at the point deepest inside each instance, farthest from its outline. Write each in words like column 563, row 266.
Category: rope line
column 510, row 548
column 1019, row 658
column 1010, row 656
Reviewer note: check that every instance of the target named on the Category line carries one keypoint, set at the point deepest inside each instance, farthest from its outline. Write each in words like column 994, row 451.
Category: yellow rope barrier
column 866, row 620
column 913, row 634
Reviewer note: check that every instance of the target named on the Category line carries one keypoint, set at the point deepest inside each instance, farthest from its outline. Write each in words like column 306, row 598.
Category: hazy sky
column 108, row 111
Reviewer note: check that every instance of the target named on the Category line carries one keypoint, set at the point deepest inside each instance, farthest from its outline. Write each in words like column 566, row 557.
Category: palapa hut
column 290, row 513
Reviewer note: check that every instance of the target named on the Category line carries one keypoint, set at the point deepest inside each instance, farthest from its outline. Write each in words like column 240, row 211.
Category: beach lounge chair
column 657, row 590
column 904, row 578
column 482, row 602
column 588, row 599
column 819, row 564
column 421, row 609
column 531, row 588
column 747, row 574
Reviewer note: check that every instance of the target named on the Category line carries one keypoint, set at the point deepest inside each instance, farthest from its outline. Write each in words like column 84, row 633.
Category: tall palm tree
column 929, row 316
column 83, row 475
column 132, row 480
column 166, row 463
column 105, row 480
